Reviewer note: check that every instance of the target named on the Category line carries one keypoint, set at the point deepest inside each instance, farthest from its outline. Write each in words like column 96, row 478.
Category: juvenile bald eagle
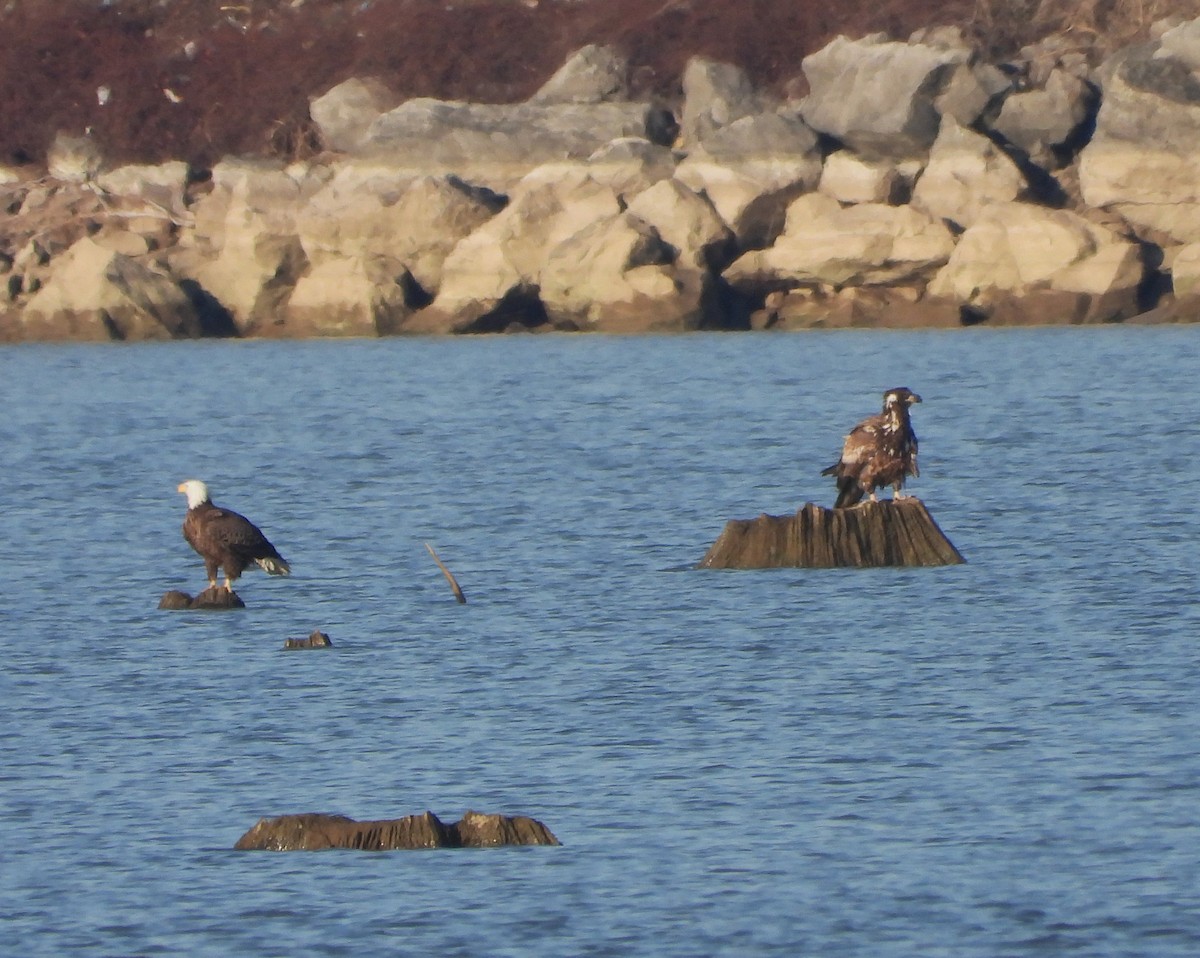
column 225, row 539
column 880, row 451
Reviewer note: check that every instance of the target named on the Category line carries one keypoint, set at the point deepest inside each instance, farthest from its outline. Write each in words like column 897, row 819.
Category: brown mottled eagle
column 225, row 539
column 880, row 451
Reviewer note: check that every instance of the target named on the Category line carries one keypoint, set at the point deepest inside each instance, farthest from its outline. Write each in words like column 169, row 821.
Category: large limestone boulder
column 412, row 222
column 825, row 243
column 619, row 276
column 243, row 250
column 1185, row 270
column 1016, row 254
column 850, row 178
column 965, row 174
column 251, row 191
column 877, row 96
column 352, row 296
column 345, row 113
column 689, row 222
column 490, row 278
column 1047, row 123
column 254, row 272
column 752, row 196
column 593, row 74
column 1144, row 159
column 751, row 167
column 96, row 294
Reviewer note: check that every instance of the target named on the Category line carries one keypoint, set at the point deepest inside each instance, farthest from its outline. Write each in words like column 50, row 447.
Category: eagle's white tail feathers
column 274, row 566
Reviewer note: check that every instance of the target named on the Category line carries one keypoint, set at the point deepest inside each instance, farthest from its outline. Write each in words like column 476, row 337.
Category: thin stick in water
column 458, row 593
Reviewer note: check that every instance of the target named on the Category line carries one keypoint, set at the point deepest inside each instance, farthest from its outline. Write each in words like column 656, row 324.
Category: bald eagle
column 880, row 451
column 225, row 539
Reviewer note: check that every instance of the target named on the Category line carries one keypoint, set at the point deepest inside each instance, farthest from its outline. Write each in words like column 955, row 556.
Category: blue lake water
column 976, row 761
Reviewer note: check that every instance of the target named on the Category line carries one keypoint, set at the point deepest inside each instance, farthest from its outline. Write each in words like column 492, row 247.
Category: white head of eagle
column 196, row 492
column 225, row 539
column 880, row 451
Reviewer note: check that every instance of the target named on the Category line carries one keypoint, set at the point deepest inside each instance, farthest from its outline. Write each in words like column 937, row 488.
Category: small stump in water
column 896, row 532
column 314, row 832
column 317, row 640
column 214, row 597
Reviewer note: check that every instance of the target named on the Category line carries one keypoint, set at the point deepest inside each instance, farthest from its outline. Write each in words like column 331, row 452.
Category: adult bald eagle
column 225, row 539
column 880, row 451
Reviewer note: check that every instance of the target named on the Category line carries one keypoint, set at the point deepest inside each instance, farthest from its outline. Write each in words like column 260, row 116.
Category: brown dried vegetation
column 198, row 79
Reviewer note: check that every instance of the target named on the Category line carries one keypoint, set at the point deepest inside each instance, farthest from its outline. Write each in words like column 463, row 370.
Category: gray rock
column 442, row 134
column 1043, row 123
column 759, row 135
column 594, row 74
column 971, row 91
column 1143, row 160
column 878, row 96
column 345, row 113
column 715, row 95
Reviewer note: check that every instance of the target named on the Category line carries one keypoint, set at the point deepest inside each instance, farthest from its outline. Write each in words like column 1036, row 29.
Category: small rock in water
column 175, row 600
column 215, row 597
column 317, row 640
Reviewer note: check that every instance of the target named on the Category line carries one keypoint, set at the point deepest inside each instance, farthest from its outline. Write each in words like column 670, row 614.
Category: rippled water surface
column 986, row 760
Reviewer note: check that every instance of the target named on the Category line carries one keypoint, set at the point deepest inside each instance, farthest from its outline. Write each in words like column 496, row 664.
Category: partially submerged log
column 897, row 532
column 214, row 597
column 314, row 640
column 315, row 832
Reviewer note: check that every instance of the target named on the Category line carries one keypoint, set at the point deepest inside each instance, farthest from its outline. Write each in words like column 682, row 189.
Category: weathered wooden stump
column 314, row 832
column 316, row 640
column 214, row 597
column 896, row 532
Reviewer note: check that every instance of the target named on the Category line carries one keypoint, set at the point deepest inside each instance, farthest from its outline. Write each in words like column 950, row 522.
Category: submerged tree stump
column 314, row 832
column 896, row 532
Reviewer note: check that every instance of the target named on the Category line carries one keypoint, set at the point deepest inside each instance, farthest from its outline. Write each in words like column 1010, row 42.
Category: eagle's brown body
column 880, row 451
column 225, row 539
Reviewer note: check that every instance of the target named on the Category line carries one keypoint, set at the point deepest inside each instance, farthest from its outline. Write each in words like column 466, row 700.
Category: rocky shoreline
column 914, row 184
